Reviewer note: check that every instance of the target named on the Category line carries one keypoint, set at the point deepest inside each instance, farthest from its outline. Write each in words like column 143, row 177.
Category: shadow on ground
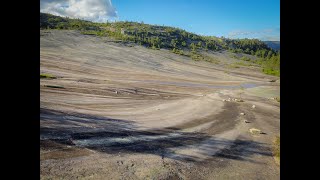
column 115, row 136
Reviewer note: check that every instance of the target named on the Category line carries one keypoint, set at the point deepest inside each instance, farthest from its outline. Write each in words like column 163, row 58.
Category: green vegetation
column 200, row 57
column 155, row 36
column 175, row 39
column 233, row 56
column 240, row 63
column 272, row 65
column 232, row 66
column 276, row 149
column 245, row 58
column 179, row 51
column 47, row 76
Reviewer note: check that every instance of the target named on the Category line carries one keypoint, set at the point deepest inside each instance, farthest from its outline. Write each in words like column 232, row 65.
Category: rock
column 246, row 121
column 253, row 106
column 242, row 114
column 70, row 141
column 238, row 100
column 255, row 131
column 224, row 100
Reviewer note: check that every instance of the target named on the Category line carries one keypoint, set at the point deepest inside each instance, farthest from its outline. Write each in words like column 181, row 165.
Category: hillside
column 273, row 44
column 114, row 109
column 175, row 39
column 156, row 36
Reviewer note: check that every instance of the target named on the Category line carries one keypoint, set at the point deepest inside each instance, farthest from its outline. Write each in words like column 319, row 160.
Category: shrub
column 244, row 58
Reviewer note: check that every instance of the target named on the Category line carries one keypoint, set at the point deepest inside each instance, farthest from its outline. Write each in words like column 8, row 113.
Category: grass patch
column 242, row 64
column 271, row 72
column 54, row 86
column 233, row 56
column 245, row 58
column 93, row 32
column 276, row 149
column 47, row 76
column 212, row 60
column 196, row 57
column 232, row 66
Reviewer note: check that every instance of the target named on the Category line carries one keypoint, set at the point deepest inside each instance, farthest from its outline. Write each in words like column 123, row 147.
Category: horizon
column 230, row 19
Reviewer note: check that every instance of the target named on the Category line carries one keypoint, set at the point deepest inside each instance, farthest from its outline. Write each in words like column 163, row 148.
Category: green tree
column 199, row 44
column 174, row 43
column 193, row 47
column 269, row 54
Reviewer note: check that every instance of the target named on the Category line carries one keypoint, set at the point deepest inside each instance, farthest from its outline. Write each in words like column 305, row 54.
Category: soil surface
column 120, row 111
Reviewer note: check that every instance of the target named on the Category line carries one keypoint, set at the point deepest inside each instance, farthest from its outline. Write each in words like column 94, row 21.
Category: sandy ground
column 122, row 112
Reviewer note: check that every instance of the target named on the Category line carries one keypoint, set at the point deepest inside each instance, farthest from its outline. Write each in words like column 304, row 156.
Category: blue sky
column 229, row 18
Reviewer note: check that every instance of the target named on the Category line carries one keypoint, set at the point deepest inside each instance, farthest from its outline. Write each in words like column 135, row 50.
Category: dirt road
column 121, row 112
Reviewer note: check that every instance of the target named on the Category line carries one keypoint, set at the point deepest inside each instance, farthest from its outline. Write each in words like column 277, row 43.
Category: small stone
column 255, row 131
column 242, row 114
column 253, row 106
column 246, row 121
column 239, row 100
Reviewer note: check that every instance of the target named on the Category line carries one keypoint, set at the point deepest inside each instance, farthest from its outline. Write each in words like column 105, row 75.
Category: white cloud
column 92, row 10
column 264, row 34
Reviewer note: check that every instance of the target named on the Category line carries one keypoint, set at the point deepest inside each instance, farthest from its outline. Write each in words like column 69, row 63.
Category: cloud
column 92, row 10
column 271, row 34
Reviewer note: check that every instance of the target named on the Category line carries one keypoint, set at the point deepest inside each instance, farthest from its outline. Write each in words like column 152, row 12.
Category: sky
column 229, row 18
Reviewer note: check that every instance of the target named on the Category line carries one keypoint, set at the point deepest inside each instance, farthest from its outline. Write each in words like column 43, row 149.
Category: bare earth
column 121, row 112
